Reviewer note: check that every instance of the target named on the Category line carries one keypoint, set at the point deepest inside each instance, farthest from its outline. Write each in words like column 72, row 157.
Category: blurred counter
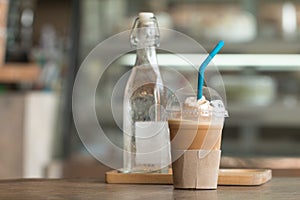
column 27, row 136
column 88, row 167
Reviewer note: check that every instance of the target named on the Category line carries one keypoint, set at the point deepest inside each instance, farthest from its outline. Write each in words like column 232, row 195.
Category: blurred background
column 43, row 42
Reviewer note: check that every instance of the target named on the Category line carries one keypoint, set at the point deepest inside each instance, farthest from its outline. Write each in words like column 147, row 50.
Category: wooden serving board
column 242, row 177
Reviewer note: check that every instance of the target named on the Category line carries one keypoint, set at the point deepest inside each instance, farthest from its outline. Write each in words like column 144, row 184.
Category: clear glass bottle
column 146, row 135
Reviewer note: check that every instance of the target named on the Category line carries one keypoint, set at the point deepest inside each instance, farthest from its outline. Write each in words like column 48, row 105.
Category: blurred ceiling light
column 27, row 18
column 278, row 62
column 289, row 20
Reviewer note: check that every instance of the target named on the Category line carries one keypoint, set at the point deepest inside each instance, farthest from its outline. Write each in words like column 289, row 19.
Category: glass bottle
column 146, row 135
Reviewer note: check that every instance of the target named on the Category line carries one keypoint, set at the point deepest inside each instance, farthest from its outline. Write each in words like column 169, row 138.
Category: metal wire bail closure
column 145, row 34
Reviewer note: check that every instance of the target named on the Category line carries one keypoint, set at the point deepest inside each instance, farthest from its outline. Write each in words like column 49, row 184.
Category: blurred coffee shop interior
column 47, row 40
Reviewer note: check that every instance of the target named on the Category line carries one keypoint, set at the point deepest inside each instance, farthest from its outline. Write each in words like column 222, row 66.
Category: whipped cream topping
column 202, row 104
column 207, row 108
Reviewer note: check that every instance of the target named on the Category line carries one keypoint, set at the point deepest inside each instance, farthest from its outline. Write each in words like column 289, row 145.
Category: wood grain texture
column 116, row 177
column 278, row 188
column 242, row 177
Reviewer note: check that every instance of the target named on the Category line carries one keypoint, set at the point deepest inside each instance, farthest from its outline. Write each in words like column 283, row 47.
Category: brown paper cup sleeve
column 192, row 170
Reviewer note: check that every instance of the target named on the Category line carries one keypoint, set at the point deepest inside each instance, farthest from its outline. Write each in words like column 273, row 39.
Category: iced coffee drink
column 195, row 133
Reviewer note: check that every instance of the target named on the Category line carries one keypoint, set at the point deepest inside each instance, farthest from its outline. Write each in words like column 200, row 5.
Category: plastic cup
column 195, row 142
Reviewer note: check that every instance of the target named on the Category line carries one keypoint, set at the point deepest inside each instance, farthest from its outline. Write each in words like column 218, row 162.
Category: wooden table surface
column 277, row 188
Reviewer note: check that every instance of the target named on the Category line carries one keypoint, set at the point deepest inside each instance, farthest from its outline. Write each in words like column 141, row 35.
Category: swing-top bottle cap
column 145, row 31
column 145, row 16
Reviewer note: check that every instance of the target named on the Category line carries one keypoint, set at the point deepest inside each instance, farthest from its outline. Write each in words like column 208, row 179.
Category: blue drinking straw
column 204, row 65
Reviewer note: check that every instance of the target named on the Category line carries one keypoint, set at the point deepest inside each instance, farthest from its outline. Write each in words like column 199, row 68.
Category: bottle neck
column 146, row 56
column 145, row 37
